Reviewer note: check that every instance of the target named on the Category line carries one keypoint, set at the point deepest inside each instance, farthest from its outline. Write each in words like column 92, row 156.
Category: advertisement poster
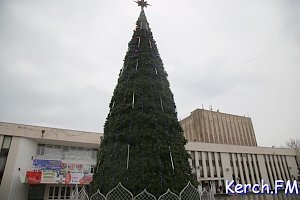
column 78, row 178
column 49, row 177
column 75, row 168
column 33, row 177
column 57, row 171
column 53, row 165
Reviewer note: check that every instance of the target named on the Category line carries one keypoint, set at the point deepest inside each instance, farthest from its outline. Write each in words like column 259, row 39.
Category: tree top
column 142, row 3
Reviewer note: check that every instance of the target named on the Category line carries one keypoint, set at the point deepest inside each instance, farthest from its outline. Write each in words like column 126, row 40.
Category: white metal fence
column 121, row 193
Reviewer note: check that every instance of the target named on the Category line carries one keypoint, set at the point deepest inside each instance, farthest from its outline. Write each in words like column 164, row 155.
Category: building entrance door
column 59, row 192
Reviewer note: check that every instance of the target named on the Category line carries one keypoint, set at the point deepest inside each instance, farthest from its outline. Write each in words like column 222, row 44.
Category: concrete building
column 223, row 147
column 215, row 163
column 39, row 163
column 221, row 128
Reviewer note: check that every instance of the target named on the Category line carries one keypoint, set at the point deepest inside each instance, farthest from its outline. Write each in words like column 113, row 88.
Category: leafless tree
column 293, row 143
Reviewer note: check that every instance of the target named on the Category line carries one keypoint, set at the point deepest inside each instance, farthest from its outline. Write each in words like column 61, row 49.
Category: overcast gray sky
column 60, row 60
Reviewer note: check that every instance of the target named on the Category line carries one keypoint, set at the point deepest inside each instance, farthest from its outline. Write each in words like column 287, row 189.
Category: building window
column 73, row 148
column 3, row 154
column 65, row 148
column 40, row 149
column 94, row 153
column 92, row 169
column 80, row 149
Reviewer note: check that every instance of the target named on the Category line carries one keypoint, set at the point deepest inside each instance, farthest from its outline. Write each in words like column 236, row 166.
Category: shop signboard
column 33, row 177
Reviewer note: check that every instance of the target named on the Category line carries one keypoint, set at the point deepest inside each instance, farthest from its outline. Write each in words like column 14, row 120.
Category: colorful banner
column 57, row 171
column 49, row 177
column 33, row 177
column 46, row 165
column 75, row 168
column 78, row 178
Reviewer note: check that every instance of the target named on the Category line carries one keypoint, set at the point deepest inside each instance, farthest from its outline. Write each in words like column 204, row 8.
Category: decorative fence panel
column 121, row 193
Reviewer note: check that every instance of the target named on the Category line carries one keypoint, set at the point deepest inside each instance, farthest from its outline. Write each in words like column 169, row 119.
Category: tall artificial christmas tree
column 143, row 145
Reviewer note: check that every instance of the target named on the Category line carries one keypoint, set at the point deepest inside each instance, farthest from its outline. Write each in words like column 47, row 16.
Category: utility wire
column 239, row 65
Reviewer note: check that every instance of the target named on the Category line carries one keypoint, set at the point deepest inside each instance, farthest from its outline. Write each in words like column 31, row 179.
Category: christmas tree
column 143, row 145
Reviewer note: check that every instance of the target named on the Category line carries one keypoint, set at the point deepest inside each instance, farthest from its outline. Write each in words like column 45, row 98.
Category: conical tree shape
column 143, row 145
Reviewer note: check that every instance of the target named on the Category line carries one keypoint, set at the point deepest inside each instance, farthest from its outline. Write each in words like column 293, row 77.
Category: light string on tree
column 129, row 142
column 137, row 64
column 171, row 157
column 139, row 42
column 160, row 163
column 117, row 134
column 170, row 151
column 167, row 132
column 128, row 148
column 150, row 44
column 133, row 100
column 155, row 145
column 161, row 103
column 115, row 155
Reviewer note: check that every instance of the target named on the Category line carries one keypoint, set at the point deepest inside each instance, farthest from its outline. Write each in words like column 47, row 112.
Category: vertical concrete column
column 251, row 168
column 226, row 165
column 281, row 168
column 233, row 133
column 292, row 167
column 240, row 168
column 197, row 126
column 247, row 137
column 216, row 127
column 246, row 169
column 285, row 166
column 256, row 169
column 277, row 167
column 210, row 165
column 224, row 135
column 241, row 130
column 235, row 170
column 248, row 132
column 229, row 133
column 9, row 170
column 1, row 140
column 221, row 133
column 197, row 164
column 217, row 164
column 270, row 172
column 46, row 194
column 262, row 167
column 204, row 164
column 273, row 168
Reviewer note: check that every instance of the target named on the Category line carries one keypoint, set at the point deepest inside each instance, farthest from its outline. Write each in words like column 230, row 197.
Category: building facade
column 220, row 128
column 214, row 163
column 41, row 163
